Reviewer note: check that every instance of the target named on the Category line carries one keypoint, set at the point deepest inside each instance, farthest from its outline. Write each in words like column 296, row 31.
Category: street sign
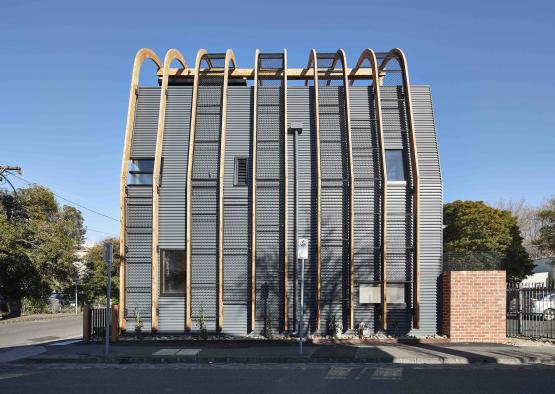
column 302, row 248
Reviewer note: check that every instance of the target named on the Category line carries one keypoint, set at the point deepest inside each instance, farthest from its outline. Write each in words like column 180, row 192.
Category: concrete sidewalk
column 276, row 352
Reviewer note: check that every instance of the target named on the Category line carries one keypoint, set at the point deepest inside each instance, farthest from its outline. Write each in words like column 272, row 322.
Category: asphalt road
column 40, row 331
column 277, row 378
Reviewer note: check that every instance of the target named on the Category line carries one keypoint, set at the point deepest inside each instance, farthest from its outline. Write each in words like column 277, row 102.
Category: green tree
column 95, row 281
column 473, row 226
column 545, row 240
column 38, row 240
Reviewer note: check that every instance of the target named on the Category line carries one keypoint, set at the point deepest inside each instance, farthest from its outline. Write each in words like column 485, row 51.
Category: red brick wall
column 473, row 306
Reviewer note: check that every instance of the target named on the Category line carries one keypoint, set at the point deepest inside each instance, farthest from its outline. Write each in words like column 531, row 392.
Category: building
column 225, row 167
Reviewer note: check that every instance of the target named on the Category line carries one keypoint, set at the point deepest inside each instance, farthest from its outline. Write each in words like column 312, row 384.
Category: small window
column 241, row 171
column 140, row 172
column 172, row 274
column 395, row 165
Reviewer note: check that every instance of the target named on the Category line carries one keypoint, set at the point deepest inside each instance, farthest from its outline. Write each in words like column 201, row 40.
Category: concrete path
column 267, row 352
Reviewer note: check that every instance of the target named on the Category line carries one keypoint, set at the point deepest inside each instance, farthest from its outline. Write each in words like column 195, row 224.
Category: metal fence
column 531, row 310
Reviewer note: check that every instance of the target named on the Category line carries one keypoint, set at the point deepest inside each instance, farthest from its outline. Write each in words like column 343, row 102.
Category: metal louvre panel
column 137, row 301
column 172, row 204
column 139, row 194
column 138, row 258
column 204, row 246
column 235, row 318
column 431, row 212
column 366, row 167
column 143, row 142
column 335, row 205
column 139, row 216
column 138, row 275
column 171, row 314
column 270, row 207
column 393, row 114
column 236, row 213
column 301, row 109
column 400, row 234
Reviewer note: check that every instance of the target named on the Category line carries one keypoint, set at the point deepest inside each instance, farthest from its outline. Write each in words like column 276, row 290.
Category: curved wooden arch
column 142, row 55
column 368, row 54
column 229, row 57
column 253, row 192
column 341, row 56
column 171, row 55
column 189, row 192
column 400, row 56
column 313, row 62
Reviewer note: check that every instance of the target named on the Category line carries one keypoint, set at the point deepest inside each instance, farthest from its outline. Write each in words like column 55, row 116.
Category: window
column 241, row 171
column 140, row 172
column 172, row 274
column 395, row 165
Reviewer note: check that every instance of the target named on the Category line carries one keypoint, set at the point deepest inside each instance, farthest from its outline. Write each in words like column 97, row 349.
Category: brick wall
column 473, row 306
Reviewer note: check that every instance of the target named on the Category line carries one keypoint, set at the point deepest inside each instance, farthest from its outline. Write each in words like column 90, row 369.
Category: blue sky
column 66, row 69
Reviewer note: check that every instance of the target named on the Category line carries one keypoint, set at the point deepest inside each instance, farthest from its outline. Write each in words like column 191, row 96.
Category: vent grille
column 241, row 174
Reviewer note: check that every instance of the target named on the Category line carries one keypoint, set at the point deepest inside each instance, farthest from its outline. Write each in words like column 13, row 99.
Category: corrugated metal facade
column 270, row 208
column 173, row 202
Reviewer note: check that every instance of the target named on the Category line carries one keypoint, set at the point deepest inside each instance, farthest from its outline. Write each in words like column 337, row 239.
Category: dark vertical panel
column 301, row 109
column 366, row 165
column 335, row 206
column 236, row 213
column 270, row 206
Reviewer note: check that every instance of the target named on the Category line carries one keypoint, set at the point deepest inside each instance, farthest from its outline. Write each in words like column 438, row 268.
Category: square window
column 140, row 171
column 395, row 163
column 241, row 171
column 172, row 273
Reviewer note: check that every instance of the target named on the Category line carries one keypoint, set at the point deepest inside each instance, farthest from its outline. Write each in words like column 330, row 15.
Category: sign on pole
column 302, row 249
column 302, row 254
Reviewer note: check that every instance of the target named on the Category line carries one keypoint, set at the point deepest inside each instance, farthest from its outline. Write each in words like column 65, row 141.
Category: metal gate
column 531, row 310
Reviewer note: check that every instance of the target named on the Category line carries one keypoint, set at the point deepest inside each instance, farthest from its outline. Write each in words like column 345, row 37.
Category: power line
column 65, row 199
column 98, row 231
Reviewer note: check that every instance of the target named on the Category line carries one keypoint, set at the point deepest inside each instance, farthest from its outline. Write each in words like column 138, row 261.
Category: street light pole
column 108, row 256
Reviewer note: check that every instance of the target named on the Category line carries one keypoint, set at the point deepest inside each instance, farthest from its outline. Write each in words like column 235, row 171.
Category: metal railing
column 531, row 310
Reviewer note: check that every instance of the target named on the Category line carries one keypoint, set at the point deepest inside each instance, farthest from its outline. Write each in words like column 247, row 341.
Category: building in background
column 212, row 204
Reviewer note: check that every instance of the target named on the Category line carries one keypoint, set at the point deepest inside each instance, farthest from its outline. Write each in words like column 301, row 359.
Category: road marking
column 338, row 373
column 15, row 375
column 387, row 374
column 165, row 352
column 188, row 352
column 362, row 372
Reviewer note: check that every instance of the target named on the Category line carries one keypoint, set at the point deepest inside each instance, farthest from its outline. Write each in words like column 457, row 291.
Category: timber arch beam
column 142, row 55
column 313, row 63
column 171, row 55
column 229, row 58
column 400, row 57
column 370, row 56
column 189, row 192
column 341, row 56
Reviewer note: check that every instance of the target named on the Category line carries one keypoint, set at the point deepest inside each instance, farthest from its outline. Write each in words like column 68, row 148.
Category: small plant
column 268, row 330
column 201, row 322
column 138, row 325
column 360, row 330
column 335, row 327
